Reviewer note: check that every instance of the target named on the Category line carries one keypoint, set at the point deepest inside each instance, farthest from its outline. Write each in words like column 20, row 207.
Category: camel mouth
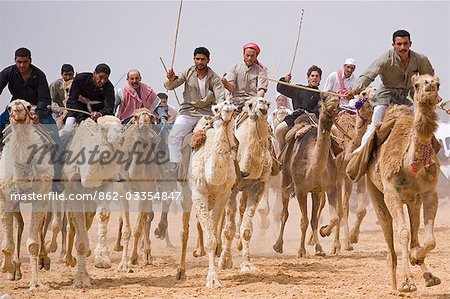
column 263, row 111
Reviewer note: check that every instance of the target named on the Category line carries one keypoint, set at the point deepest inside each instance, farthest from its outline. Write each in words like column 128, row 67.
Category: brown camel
column 308, row 166
column 405, row 171
column 354, row 125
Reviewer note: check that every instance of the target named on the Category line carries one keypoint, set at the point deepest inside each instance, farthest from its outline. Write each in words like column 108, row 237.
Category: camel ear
column 415, row 79
column 215, row 109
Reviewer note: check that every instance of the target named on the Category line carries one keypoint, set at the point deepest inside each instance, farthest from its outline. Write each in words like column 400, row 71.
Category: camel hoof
column 225, row 262
column 181, row 274
column 199, row 252
column 247, row 267
column 170, row 246
column 278, row 247
column 335, row 249
column 70, row 261
column 7, row 265
column 102, row 262
column 133, row 260
column 147, row 257
column 44, row 263
column 354, row 237
column 160, row 231
column 323, row 233
column 118, row 248
column 212, row 280
column 408, row 287
column 123, row 267
column 415, row 256
column 17, row 274
column 348, row 247
column 37, row 286
column 311, row 241
column 61, row 256
column 320, row 253
column 239, row 245
column 82, row 281
column 431, row 280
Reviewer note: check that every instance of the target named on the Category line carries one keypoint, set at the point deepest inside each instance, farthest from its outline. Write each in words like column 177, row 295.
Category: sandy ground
column 356, row 274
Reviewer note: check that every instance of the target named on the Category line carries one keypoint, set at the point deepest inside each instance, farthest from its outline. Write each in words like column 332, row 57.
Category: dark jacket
column 303, row 99
column 35, row 90
column 83, row 85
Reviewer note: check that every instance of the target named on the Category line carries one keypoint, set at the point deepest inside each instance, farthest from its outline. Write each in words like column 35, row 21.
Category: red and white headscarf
column 254, row 46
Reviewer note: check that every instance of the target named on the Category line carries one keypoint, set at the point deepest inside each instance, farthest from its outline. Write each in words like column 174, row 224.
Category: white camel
column 255, row 163
column 24, row 172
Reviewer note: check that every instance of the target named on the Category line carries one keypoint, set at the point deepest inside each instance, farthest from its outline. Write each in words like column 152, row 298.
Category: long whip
column 296, row 44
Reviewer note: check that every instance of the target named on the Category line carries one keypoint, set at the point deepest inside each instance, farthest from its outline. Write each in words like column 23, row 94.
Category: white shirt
column 273, row 113
column 332, row 84
column 201, row 86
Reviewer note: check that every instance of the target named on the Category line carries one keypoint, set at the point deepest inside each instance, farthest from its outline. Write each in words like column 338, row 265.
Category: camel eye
column 416, row 85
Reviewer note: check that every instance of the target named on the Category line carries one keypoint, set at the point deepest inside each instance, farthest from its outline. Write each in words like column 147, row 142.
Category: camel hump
column 396, row 112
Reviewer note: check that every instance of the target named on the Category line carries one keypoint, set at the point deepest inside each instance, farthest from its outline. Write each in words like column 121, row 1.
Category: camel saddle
column 358, row 163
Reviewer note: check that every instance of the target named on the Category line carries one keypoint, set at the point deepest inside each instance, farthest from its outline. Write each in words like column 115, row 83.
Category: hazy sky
column 135, row 34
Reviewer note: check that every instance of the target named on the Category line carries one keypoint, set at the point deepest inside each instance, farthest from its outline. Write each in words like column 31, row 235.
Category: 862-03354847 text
column 98, row 195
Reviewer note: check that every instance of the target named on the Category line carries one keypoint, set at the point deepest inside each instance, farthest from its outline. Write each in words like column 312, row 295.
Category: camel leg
column 34, row 242
column 302, row 200
column 348, row 186
column 316, row 205
column 118, row 246
column 335, row 216
column 203, row 215
column 228, row 233
column 147, row 252
column 56, row 224
column 63, row 236
column 8, row 238
column 360, row 211
column 101, row 251
column 278, row 246
column 242, row 207
column 126, row 233
column 186, row 205
column 219, row 229
column 200, row 250
column 264, row 210
column 142, row 229
column 246, row 229
column 418, row 253
column 169, row 244
column 44, row 260
column 18, row 227
column 78, row 221
column 395, row 207
column 385, row 220
column 69, row 259
column 160, row 231
column 276, row 212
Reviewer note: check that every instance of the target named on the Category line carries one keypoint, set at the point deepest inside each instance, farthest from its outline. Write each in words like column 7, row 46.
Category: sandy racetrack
column 356, row 274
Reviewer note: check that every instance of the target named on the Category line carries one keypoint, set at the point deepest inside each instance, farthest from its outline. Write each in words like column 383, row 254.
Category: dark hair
column 314, row 68
column 22, row 52
column 202, row 50
column 400, row 33
column 162, row 95
column 103, row 68
column 67, row 68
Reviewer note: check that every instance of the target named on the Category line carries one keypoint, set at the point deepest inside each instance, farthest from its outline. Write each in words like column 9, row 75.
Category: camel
column 274, row 183
column 255, row 163
column 354, row 126
column 24, row 172
column 85, row 176
column 140, row 174
column 405, row 171
column 309, row 167
column 212, row 178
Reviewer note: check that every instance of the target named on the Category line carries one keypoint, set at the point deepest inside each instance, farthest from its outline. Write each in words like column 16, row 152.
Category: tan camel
column 26, row 167
column 140, row 174
column 255, row 163
column 405, row 171
column 354, row 126
column 85, row 176
column 309, row 167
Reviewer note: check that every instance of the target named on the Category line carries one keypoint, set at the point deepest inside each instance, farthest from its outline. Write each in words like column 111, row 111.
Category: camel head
column 330, row 106
column 426, row 89
column 143, row 118
column 20, row 112
column 257, row 107
column 224, row 110
column 279, row 115
column 363, row 105
column 112, row 127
